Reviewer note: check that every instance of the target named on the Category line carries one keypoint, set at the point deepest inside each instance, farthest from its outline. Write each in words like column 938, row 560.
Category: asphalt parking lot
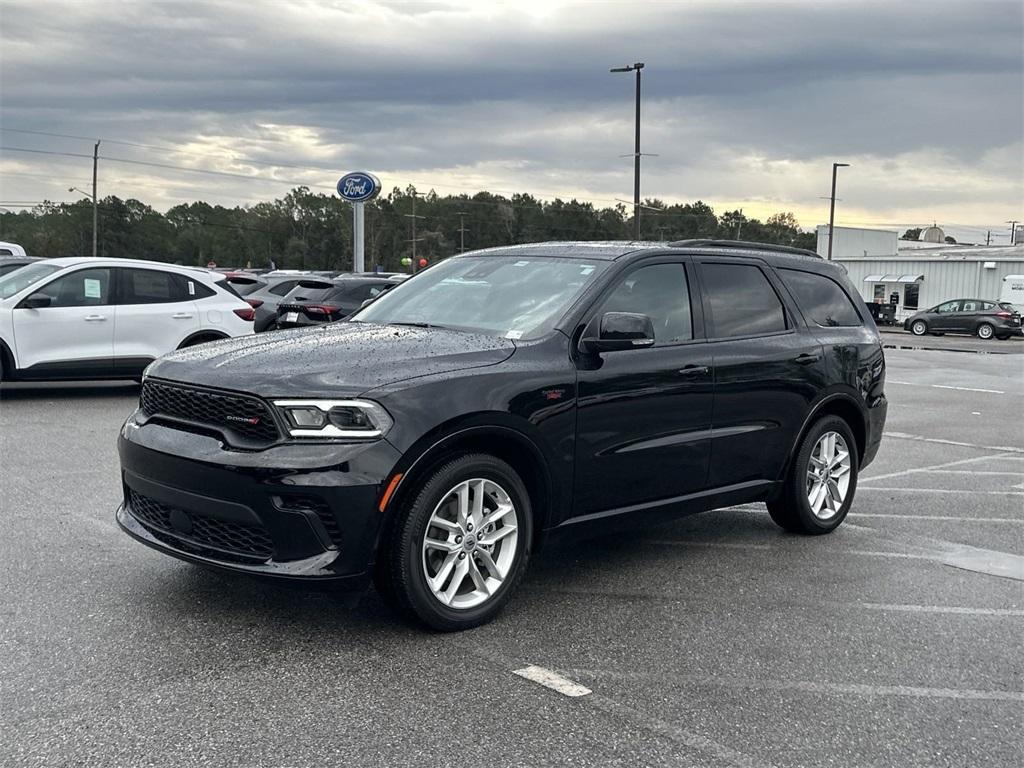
column 717, row 640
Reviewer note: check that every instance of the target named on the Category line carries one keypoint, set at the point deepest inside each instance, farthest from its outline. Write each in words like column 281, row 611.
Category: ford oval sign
column 358, row 187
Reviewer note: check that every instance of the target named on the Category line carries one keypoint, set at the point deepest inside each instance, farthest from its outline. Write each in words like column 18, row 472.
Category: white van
column 1013, row 290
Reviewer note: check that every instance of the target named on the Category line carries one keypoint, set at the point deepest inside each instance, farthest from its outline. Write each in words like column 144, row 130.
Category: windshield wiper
column 420, row 325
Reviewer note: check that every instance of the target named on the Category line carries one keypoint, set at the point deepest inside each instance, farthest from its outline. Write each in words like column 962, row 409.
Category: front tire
column 457, row 552
column 919, row 328
column 821, row 481
column 986, row 331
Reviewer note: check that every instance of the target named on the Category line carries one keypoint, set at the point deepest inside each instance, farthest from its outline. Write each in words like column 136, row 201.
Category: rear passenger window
column 821, row 298
column 742, row 301
column 151, row 286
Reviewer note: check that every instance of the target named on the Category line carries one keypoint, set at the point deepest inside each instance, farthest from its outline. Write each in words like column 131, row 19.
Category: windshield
column 22, row 278
column 519, row 298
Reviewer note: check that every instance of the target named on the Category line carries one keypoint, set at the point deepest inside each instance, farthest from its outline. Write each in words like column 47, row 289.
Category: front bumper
column 295, row 512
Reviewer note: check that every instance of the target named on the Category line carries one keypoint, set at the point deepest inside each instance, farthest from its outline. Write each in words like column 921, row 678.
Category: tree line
column 308, row 230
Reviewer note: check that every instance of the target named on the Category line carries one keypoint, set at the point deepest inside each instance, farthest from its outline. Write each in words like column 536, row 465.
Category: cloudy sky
column 746, row 105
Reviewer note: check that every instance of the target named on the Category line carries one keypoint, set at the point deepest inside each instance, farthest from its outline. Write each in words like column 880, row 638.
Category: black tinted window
column 151, row 286
column 244, row 286
column 659, row 291
column 821, row 299
column 282, row 288
column 85, row 288
column 742, row 301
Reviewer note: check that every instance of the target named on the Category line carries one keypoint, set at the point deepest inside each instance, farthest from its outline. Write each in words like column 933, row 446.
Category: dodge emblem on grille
column 254, row 420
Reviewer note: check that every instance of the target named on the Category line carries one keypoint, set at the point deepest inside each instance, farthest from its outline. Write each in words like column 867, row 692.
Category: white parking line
column 933, row 467
column 552, row 680
column 941, row 490
column 940, row 441
column 946, row 386
column 941, row 609
column 855, row 689
column 951, row 518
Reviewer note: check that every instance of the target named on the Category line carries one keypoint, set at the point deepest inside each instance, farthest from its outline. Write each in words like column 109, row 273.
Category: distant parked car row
column 287, row 299
column 986, row 319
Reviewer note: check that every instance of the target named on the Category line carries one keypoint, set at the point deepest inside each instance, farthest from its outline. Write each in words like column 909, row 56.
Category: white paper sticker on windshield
column 93, row 290
column 191, row 288
column 521, row 264
column 514, row 335
column 586, row 269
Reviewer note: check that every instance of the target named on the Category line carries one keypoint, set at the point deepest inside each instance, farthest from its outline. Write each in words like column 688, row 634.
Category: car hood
column 327, row 361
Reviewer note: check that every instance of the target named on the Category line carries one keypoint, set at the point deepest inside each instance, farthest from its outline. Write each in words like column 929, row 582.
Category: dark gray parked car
column 987, row 319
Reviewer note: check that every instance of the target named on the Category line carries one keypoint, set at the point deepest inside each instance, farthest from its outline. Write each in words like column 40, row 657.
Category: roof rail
column 743, row 245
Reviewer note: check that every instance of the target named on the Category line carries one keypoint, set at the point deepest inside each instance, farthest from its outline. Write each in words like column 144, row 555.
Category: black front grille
column 247, row 419
column 199, row 533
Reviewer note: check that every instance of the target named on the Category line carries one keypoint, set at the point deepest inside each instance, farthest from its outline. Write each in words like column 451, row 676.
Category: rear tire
column 919, row 328
column 450, row 569
column 821, row 482
column 986, row 331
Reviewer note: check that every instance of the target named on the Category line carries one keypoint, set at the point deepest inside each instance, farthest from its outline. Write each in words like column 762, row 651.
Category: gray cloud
column 743, row 101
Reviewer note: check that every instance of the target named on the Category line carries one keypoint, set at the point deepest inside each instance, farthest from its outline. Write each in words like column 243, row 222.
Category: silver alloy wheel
column 469, row 546
column 985, row 331
column 919, row 328
column 828, row 475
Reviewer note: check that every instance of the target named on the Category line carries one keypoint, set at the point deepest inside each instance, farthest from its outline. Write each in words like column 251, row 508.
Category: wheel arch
column 7, row 361
column 199, row 337
column 507, row 443
column 839, row 404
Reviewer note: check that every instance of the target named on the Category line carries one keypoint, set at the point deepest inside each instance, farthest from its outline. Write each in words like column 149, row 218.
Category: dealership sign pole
column 358, row 187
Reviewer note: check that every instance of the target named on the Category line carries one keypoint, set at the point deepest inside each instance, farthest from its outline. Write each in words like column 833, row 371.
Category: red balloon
column 423, row 263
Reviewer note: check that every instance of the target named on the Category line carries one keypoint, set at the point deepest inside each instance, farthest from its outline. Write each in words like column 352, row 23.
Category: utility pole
column 462, row 232
column 988, row 237
column 1013, row 231
column 95, row 217
column 739, row 224
column 415, row 264
column 636, row 149
column 832, row 206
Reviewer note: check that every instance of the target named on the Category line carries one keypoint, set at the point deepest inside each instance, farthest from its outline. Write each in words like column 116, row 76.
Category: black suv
column 501, row 398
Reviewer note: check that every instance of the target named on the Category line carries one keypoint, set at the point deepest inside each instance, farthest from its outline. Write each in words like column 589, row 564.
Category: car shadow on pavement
column 190, row 595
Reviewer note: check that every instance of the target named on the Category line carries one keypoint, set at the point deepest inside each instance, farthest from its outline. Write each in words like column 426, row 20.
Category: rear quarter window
column 822, row 300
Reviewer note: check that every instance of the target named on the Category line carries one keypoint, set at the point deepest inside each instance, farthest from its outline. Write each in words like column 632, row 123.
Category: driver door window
column 661, row 292
column 85, row 288
column 948, row 308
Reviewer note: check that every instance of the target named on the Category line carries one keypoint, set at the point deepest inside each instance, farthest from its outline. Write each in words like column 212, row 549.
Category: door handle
column 94, row 318
column 182, row 315
column 693, row 370
column 807, row 359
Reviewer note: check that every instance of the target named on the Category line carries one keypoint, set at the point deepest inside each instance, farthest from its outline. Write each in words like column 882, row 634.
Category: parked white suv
column 83, row 318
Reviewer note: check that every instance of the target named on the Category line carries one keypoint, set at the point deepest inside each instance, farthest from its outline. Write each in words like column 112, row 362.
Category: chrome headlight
column 349, row 419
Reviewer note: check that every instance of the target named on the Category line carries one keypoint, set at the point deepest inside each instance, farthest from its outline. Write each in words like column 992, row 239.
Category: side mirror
column 619, row 331
column 36, row 301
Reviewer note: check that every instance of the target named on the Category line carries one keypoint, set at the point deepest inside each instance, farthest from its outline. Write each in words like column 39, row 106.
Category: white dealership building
column 920, row 273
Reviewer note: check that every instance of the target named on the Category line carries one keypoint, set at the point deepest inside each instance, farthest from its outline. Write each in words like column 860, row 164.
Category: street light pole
column 636, row 149
column 95, row 159
column 832, row 206
column 1013, row 231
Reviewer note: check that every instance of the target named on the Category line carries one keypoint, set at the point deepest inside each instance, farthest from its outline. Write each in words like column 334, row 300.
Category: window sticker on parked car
column 521, row 264
column 191, row 288
column 92, row 288
column 514, row 335
column 586, row 269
